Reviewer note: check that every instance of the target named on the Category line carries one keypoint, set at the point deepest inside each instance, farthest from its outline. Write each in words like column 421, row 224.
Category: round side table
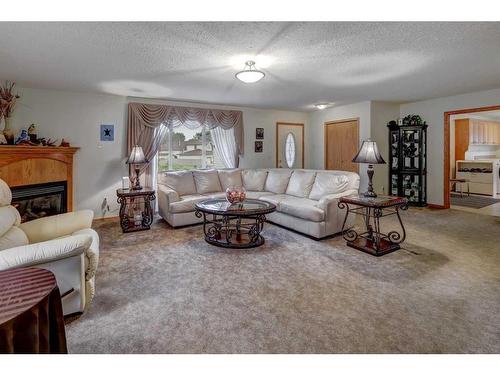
column 31, row 317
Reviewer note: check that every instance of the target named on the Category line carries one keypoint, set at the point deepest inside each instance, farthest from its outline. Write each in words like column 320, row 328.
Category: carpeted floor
column 167, row 291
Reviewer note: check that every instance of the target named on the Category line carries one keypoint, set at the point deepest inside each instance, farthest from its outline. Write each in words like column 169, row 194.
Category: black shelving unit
column 408, row 162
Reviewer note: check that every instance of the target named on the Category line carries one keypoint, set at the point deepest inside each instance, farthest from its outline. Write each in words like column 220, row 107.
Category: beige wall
column 381, row 114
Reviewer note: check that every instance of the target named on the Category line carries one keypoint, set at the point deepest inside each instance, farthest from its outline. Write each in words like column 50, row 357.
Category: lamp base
column 370, row 194
column 137, row 184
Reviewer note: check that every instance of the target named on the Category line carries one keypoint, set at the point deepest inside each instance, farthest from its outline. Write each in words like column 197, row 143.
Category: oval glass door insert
column 290, row 150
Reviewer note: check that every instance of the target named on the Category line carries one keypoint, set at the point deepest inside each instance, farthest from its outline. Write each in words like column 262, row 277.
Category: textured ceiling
column 305, row 63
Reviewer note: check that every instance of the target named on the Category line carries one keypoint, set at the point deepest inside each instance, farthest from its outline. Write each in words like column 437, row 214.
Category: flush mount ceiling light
column 250, row 74
column 323, row 105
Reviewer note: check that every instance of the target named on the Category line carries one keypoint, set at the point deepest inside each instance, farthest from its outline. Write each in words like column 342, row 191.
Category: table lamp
column 369, row 154
column 137, row 158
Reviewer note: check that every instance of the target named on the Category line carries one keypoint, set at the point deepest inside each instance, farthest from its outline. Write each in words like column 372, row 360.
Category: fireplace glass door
column 40, row 200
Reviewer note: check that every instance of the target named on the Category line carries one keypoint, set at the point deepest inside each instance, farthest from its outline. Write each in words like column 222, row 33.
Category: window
column 184, row 148
column 290, row 150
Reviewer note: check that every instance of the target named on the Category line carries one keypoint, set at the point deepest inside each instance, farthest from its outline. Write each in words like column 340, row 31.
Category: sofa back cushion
column 328, row 183
column 230, row 178
column 207, row 181
column 180, row 181
column 277, row 180
column 300, row 183
column 254, row 180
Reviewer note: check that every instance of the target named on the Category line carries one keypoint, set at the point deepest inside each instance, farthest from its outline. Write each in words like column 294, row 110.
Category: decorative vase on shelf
column 7, row 131
column 235, row 194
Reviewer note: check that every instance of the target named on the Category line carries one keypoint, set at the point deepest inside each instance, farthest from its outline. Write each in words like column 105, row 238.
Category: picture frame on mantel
column 259, row 146
column 259, row 133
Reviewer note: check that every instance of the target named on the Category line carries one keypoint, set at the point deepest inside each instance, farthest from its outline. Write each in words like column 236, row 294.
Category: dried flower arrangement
column 7, row 104
column 7, row 99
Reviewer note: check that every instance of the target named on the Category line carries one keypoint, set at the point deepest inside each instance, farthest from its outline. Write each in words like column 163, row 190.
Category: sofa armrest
column 165, row 197
column 50, row 227
column 44, row 252
column 327, row 202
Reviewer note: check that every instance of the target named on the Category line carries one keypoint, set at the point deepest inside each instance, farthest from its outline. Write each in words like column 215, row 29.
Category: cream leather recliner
column 64, row 244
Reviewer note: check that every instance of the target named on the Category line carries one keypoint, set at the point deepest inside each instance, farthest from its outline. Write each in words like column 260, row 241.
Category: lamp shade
column 137, row 156
column 368, row 154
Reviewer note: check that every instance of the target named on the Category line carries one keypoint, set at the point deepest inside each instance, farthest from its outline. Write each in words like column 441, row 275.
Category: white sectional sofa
column 306, row 200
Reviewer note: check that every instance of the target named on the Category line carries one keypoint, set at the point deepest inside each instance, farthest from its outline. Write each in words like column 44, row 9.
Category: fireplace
column 40, row 200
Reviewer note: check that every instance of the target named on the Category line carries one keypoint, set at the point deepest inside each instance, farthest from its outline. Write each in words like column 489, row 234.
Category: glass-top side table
column 373, row 241
column 136, row 212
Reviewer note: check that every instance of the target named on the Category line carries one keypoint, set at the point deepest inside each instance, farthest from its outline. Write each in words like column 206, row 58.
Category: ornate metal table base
column 233, row 231
column 237, row 226
column 132, row 203
column 372, row 240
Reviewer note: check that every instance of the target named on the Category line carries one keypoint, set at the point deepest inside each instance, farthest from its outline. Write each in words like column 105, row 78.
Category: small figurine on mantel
column 64, row 143
column 22, row 138
column 32, row 132
column 48, row 142
column 3, row 141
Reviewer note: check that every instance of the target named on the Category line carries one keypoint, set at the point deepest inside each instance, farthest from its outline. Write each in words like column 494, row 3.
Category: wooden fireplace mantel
column 28, row 165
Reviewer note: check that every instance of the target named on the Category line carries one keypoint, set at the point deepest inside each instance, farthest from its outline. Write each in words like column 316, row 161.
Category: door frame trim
column 446, row 147
column 325, row 143
column 278, row 123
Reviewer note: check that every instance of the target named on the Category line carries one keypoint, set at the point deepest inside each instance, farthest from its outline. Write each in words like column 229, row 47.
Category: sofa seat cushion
column 277, row 180
column 207, row 181
column 275, row 199
column 300, row 183
column 254, row 180
column 186, row 203
column 230, row 178
column 180, row 181
column 328, row 183
column 303, row 208
column 257, row 194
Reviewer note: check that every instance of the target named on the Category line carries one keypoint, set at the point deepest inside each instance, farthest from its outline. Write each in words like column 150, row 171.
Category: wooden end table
column 136, row 212
column 372, row 240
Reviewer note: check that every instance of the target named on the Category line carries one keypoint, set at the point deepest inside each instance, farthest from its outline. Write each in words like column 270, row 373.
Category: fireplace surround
column 43, row 167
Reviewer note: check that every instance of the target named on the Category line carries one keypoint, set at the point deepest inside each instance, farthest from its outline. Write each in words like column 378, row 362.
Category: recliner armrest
column 44, row 252
column 50, row 227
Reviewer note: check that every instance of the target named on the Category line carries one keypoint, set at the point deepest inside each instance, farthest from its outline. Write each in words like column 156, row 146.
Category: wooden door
column 461, row 138
column 293, row 134
column 341, row 145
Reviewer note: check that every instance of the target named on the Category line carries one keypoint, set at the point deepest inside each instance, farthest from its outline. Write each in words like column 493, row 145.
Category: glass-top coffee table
column 236, row 225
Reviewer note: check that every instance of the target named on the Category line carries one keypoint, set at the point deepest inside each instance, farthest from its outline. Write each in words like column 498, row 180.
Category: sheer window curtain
column 225, row 146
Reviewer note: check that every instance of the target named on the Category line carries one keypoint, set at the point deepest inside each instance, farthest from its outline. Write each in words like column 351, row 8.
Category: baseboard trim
column 438, row 206
column 115, row 217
